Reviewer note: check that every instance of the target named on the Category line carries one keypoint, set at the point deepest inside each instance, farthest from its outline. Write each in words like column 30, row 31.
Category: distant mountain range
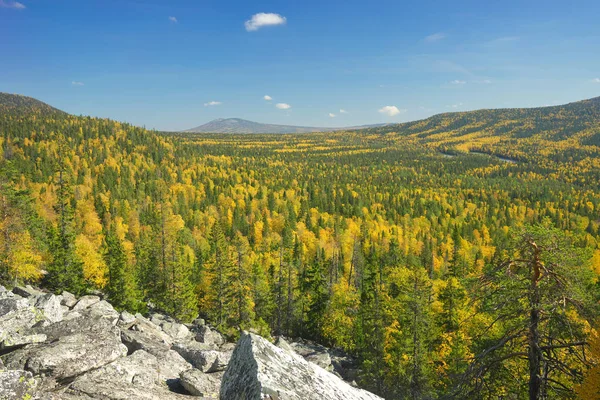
column 238, row 125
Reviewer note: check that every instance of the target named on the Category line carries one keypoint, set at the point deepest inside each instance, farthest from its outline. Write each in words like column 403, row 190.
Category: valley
column 366, row 240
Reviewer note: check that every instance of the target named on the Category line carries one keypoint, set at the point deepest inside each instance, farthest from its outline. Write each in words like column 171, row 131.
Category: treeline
column 422, row 266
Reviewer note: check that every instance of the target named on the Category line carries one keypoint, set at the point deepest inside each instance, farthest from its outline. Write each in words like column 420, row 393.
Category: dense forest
column 456, row 257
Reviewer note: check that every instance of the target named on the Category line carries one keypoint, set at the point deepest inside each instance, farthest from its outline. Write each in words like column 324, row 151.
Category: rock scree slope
column 60, row 347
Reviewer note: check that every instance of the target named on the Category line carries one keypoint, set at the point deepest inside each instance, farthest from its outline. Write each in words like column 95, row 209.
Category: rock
column 85, row 302
column 126, row 320
column 72, row 323
column 17, row 316
column 4, row 293
column 49, row 305
column 283, row 344
column 199, row 322
column 175, row 330
column 10, row 304
column 157, row 318
column 209, row 336
column 26, row 291
column 132, row 377
column 323, row 360
column 259, row 370
column 18, row 340
column 103, row 309
column 197, row 383
column 70, row 355
column 212, row 360
column 227, row 347
column 171, row 365
column 144, row 335
column 16, row 385
column 68, row 299
column 203, row 356
column 314, row 353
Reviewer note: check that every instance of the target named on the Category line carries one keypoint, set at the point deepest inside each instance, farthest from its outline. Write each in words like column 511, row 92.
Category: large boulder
column 103, row 309
column 154, row 341
column 170, row 366
column 126, row 320
column 69, row 356
column 197, row 383
column 16, row 385
column 85, row 301
column 203, row 356
column 17, row 317
column 133, row 377
column 261, row 370
column 68, row 299
column 314, row 353
column 209, row 336
column 50, row 307
column 175, row 330
column 72, row 323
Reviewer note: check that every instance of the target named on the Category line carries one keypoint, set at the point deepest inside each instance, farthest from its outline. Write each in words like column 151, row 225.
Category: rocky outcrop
column 60, row 347
column 261, row 370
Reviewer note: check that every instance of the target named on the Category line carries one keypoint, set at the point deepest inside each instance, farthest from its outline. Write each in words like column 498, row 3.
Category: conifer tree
column 65, row 270
column 121, row 288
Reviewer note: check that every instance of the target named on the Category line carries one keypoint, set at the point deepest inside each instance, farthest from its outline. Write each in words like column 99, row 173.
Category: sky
column 173, row 65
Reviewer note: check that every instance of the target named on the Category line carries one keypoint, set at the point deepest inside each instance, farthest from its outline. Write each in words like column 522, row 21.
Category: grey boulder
column 50, row 306
column 261, row 370
column 198, row 383
column 68, row 299
column 69, row 356
column 132, row 377
column 209, row 336
column 85, row 301
column 203, row 356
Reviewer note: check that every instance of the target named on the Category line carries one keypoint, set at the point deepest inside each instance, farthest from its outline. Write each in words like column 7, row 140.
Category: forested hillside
column 449, row 273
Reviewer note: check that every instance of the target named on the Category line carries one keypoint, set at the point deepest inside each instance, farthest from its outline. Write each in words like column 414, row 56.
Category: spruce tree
column 65, row 270
column 121, row 286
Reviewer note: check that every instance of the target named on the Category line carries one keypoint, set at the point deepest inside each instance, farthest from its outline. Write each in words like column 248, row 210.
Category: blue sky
column 162, row 63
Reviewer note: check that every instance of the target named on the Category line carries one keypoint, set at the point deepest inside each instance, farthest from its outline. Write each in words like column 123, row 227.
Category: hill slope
column 238, row 125
column 24, row 104
column 577, row 121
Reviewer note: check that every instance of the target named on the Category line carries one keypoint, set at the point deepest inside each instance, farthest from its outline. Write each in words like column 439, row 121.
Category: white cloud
column 342, row 111
column 457, row 82
column 283, row 106
column 264, row 19
column 173, row 19
column 12, row 4
column 212, row 103
column 331, row 115
column 391, row 111
column 435, row 37
column 596, row 80
column 455, row 105
column 75, row 83
column 267, row 97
